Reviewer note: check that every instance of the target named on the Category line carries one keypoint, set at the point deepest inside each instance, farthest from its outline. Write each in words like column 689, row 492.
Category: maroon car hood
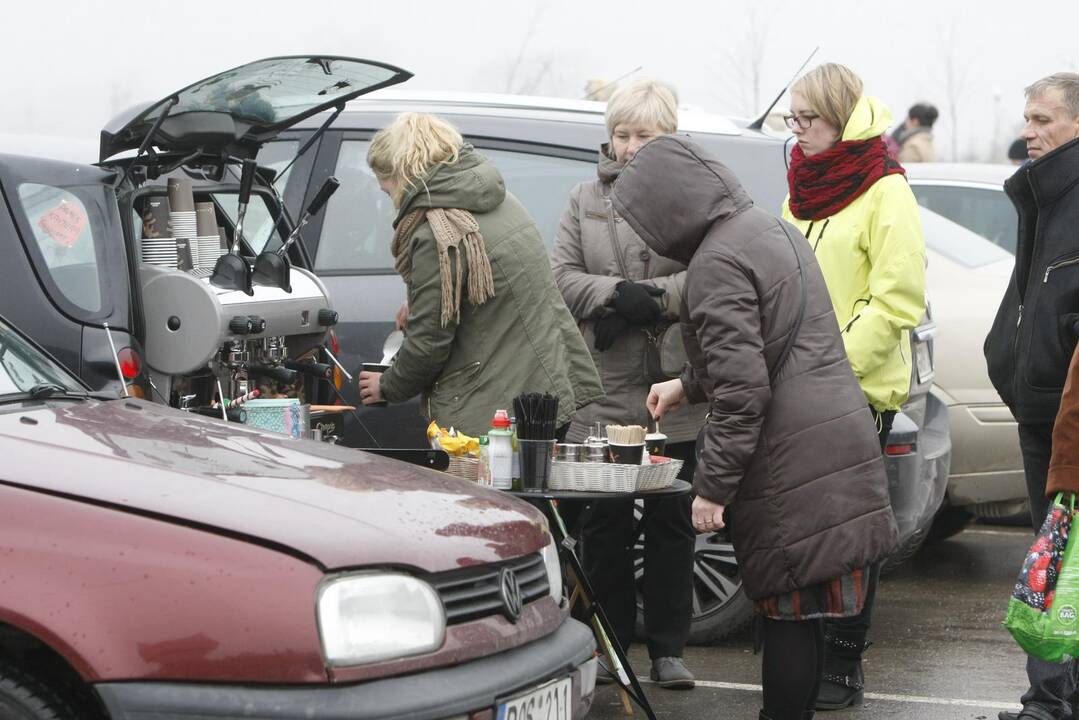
column 340, row 507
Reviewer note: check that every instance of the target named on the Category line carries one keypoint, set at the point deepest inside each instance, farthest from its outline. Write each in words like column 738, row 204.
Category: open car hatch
column 238, row 110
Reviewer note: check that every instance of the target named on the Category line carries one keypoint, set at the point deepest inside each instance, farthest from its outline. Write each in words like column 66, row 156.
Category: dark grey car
column 543, row 149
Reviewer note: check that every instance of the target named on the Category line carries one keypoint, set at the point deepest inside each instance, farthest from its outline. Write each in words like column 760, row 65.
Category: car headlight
column 554, row 570
column 366, row 618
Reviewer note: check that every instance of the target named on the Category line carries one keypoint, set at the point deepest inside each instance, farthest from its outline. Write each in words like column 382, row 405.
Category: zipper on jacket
column 1074, row 259
column 821, row 235
column 1015, row 353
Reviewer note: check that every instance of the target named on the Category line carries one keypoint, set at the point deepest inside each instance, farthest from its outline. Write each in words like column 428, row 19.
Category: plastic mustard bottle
column 500, row 440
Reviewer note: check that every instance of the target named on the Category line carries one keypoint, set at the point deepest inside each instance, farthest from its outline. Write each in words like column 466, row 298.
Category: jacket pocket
column 451, row 391
column 1000, row 345
column 1052, row 335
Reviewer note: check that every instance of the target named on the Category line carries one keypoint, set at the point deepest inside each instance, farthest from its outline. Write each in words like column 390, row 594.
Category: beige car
column 970, row 236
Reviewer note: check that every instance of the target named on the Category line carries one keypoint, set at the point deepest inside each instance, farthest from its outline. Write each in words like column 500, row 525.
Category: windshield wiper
column 46, row 390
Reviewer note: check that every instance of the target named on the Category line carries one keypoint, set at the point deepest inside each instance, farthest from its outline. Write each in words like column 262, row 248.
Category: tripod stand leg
column 601, row 626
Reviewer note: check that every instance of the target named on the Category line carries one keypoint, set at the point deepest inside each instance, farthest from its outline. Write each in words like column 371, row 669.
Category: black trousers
column 860, row 623
column 1052, row 685
column 667, row 588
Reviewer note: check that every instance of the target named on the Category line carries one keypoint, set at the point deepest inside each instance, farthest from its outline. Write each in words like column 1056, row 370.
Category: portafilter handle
column 247, row 179
column 329, row 187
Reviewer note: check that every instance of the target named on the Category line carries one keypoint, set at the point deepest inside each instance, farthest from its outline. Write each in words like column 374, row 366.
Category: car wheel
column 720, row 605
column 948, row 521
column 24, row 697
column 904, row 552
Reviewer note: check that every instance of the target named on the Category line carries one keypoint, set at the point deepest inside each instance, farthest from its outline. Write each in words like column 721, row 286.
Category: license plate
column 923, row 361
column 547, row 702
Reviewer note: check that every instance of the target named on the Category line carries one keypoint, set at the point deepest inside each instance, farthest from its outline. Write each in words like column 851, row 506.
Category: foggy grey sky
column 68, row 66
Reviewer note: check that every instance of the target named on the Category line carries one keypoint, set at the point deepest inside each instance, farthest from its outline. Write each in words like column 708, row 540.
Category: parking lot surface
column 939, row 650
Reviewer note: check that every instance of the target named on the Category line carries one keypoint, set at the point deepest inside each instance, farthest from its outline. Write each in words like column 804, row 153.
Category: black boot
column 842, row 679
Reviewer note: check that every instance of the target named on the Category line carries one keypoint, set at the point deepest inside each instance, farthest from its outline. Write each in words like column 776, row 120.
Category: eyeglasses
column 802, row 121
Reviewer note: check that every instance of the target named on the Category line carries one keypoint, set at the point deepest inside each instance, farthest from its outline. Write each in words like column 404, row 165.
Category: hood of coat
column 870, row 118
column 608, row 168
column 472, row 183
column 673, row 192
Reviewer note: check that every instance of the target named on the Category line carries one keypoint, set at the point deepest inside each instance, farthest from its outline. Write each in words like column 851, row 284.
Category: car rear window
column 357, row 229
column 958, row 243
column 259, row 223
column 63, row 228
column 986, row 211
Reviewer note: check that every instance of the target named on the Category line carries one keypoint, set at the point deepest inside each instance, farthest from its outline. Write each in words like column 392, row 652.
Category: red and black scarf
column 823, row 184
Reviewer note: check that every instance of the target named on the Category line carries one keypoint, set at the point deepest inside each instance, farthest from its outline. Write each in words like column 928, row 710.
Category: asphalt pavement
column 940, row 651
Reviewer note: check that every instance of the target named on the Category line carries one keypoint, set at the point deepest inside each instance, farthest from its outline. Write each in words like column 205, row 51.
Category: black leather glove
column 608, row 328
column 636, row 302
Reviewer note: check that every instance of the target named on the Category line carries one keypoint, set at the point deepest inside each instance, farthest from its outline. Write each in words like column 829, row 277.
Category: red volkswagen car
column 155, row 563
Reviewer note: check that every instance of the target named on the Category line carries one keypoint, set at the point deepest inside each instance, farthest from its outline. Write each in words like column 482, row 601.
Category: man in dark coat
column 1034, row 334
column 790, row 445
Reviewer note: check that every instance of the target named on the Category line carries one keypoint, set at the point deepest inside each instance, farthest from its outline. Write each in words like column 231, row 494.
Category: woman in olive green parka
column 485, row 319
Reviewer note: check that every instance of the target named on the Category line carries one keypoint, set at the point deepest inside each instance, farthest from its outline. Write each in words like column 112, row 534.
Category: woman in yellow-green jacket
column 851, row 200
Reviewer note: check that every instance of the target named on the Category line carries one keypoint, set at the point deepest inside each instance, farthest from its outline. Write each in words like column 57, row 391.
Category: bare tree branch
column 954, row 72
column 742, row 73
column 510, row 83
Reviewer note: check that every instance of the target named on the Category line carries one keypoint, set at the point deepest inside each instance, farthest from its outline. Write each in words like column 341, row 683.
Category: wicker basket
column 609, row 477
column 467, row 468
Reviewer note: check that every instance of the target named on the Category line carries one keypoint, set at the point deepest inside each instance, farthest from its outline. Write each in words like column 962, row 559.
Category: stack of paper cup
column 182, row 222
column 207, row 244
column 159, row 251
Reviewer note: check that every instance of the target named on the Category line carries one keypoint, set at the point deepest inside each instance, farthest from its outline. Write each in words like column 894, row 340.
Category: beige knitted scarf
column 455, row 230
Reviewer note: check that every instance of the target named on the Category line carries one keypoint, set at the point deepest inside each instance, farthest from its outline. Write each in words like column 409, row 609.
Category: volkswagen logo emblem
column 510, row 592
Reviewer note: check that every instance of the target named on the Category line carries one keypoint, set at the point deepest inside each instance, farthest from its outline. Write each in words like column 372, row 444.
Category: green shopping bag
column 1042, row 613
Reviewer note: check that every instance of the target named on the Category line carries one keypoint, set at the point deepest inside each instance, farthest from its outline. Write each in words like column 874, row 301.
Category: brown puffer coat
column 796, row 458
column 1064, row 465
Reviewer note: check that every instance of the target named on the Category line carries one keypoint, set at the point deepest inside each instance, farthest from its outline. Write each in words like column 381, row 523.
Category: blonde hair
column 832, row 90
column 406, row 149
column 645, row 101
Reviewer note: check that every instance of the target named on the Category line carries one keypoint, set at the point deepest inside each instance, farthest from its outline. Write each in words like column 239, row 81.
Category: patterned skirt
column 841, row 597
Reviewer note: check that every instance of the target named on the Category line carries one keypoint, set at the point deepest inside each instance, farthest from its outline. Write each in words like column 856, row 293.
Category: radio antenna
column 759, row 122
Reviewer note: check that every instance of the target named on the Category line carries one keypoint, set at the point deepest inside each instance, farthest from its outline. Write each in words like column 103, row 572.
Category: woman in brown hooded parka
column 789, row 449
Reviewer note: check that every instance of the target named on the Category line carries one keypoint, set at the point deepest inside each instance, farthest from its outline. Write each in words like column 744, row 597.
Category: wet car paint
column 155, row 460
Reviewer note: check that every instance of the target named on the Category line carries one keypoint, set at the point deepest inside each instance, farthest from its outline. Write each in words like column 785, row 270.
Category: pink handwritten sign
column 64, row 223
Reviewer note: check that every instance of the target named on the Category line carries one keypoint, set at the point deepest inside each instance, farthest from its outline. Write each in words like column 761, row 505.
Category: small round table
column 547, row 501
column 678, row 487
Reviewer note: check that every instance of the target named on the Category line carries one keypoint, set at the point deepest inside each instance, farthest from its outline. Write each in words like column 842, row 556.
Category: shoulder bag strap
column 612, row 233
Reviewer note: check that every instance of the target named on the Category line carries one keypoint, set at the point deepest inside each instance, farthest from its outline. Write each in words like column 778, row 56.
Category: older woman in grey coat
column 621, row 294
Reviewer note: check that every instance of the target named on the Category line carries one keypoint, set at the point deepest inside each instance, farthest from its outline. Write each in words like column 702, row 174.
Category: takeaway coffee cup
column 181, row 197
column 205, row 219
column 378, row 368
column 655, row 443
column 626, row 454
